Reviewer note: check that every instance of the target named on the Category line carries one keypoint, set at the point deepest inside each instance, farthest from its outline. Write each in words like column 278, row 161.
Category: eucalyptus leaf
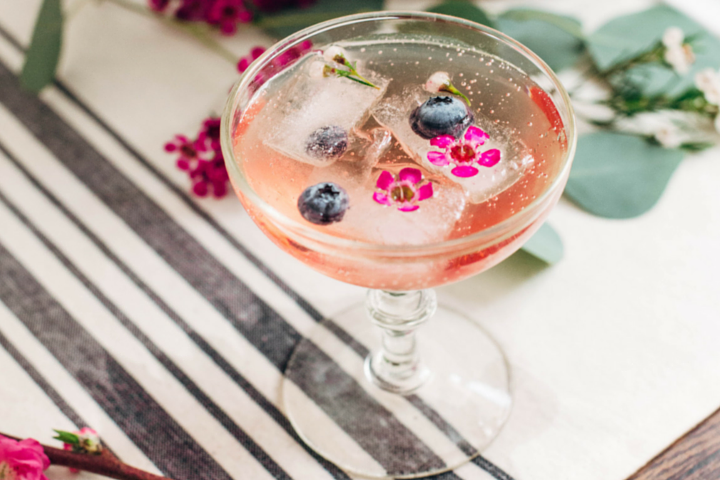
column 286, row 22
column 42, row 57
column 566, row 23
column 556, row 39
column 545, row 245
column 463, row 9
column 619, row 176
column 627, row 36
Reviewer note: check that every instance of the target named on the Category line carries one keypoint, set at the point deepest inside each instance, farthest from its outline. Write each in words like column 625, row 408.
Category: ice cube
column 394, row 114
column 355, row 166
column 317, row 112
column 368, row 221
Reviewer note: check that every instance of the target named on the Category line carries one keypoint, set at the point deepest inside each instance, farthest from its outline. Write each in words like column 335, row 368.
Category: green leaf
column 627, row 36
column 463, row 9
column 287, row 22
column 42, row 57
column 620, row 176
column 545, row 245
column 554, row 38
column 67, row 437
column 566, row 23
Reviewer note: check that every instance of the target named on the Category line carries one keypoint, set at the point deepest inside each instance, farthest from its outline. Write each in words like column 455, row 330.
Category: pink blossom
column 24, row 460
column 245, row 61
column 202, row 159
column 227, row 14
column 189, row 151
column 403, row 191
column 463, row 153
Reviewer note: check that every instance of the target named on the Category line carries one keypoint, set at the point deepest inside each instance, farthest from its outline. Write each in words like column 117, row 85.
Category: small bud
column 437, row 81
column 335, row 54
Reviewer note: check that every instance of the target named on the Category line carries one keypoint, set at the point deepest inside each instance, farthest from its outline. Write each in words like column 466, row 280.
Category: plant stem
column 187, row 27
column 103, row 464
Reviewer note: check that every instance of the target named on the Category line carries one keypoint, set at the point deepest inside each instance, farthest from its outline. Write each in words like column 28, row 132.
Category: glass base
column 368, row 431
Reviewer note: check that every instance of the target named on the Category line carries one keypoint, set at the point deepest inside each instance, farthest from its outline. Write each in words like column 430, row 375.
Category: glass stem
column 396, row 366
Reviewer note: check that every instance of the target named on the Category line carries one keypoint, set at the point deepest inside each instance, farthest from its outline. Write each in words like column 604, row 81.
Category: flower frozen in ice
column 24, row 460
column 335, row 54
column 440, row 82
column 403, row 191
column 678, row 55
column 436, row 81
column 668, row 136
column 464, row 152
column 708, row 82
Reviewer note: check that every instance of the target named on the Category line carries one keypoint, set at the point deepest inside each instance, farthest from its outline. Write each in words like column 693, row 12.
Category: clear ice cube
column 394, row 113
column 368, row 221
column 312, row 103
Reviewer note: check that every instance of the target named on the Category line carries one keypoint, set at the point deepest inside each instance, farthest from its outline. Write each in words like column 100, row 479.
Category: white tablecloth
column 614, row 351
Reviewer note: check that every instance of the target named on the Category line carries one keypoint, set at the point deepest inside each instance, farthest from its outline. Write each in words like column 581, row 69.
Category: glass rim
column 296, row 227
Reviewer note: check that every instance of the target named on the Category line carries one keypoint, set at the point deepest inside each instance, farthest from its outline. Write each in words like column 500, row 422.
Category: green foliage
column 67, row 437
column 545, row 245
column 557, row 39
column 463, row 9
column 287, row 22
column 631, row 35
column 620, row 176
column 42, row 57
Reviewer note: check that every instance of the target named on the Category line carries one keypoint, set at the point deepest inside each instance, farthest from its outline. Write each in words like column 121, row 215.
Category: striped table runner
column 165, row 322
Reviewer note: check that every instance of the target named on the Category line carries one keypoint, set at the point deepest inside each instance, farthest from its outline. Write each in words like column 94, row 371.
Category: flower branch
column 103, row 463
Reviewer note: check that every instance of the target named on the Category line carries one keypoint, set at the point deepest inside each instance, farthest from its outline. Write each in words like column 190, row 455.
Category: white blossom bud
column 436, row 81
column 332, row 52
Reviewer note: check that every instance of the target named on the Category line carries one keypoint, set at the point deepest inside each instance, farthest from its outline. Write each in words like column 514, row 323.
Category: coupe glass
column 446, row 383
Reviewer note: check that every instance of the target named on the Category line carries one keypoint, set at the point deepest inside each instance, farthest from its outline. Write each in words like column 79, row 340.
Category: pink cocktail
column 405, row 151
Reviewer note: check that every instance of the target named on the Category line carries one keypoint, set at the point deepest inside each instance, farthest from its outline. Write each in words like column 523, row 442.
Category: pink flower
column 402, row 191
column 463, row 153
column 227, row 14
column 24, row 460
column 159, row 5
column 210, row 176
column 245, row 61
column 210, row 133
column 189, row 151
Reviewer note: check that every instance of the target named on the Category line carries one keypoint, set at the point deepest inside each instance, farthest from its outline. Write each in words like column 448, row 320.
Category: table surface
column 614, row 350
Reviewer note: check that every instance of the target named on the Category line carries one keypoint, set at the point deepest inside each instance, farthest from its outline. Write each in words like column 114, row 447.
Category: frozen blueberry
column 323, row 204
column 327, row 142
column 441, row 116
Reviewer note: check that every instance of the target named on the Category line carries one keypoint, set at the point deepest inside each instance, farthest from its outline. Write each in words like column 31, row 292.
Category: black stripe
column 53, row 394
column 417, row 402
column 238, row 378
column 431, row 414
column 145, row 422
column 240, row 435
column 251, row 316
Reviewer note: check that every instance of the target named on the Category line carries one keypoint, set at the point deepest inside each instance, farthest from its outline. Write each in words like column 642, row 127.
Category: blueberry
column 323, row 204
column 441, row 116
column 327, row 142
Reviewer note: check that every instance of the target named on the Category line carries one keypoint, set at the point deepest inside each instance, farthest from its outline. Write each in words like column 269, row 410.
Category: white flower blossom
column 317, row 69
column 331, row 53
column 668, row 136
column 436, row 81
column 678, row 55
column 708, row 81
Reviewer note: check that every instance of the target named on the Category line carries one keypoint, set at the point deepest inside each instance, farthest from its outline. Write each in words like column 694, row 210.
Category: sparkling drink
column 518, row 116
column 405, row 151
